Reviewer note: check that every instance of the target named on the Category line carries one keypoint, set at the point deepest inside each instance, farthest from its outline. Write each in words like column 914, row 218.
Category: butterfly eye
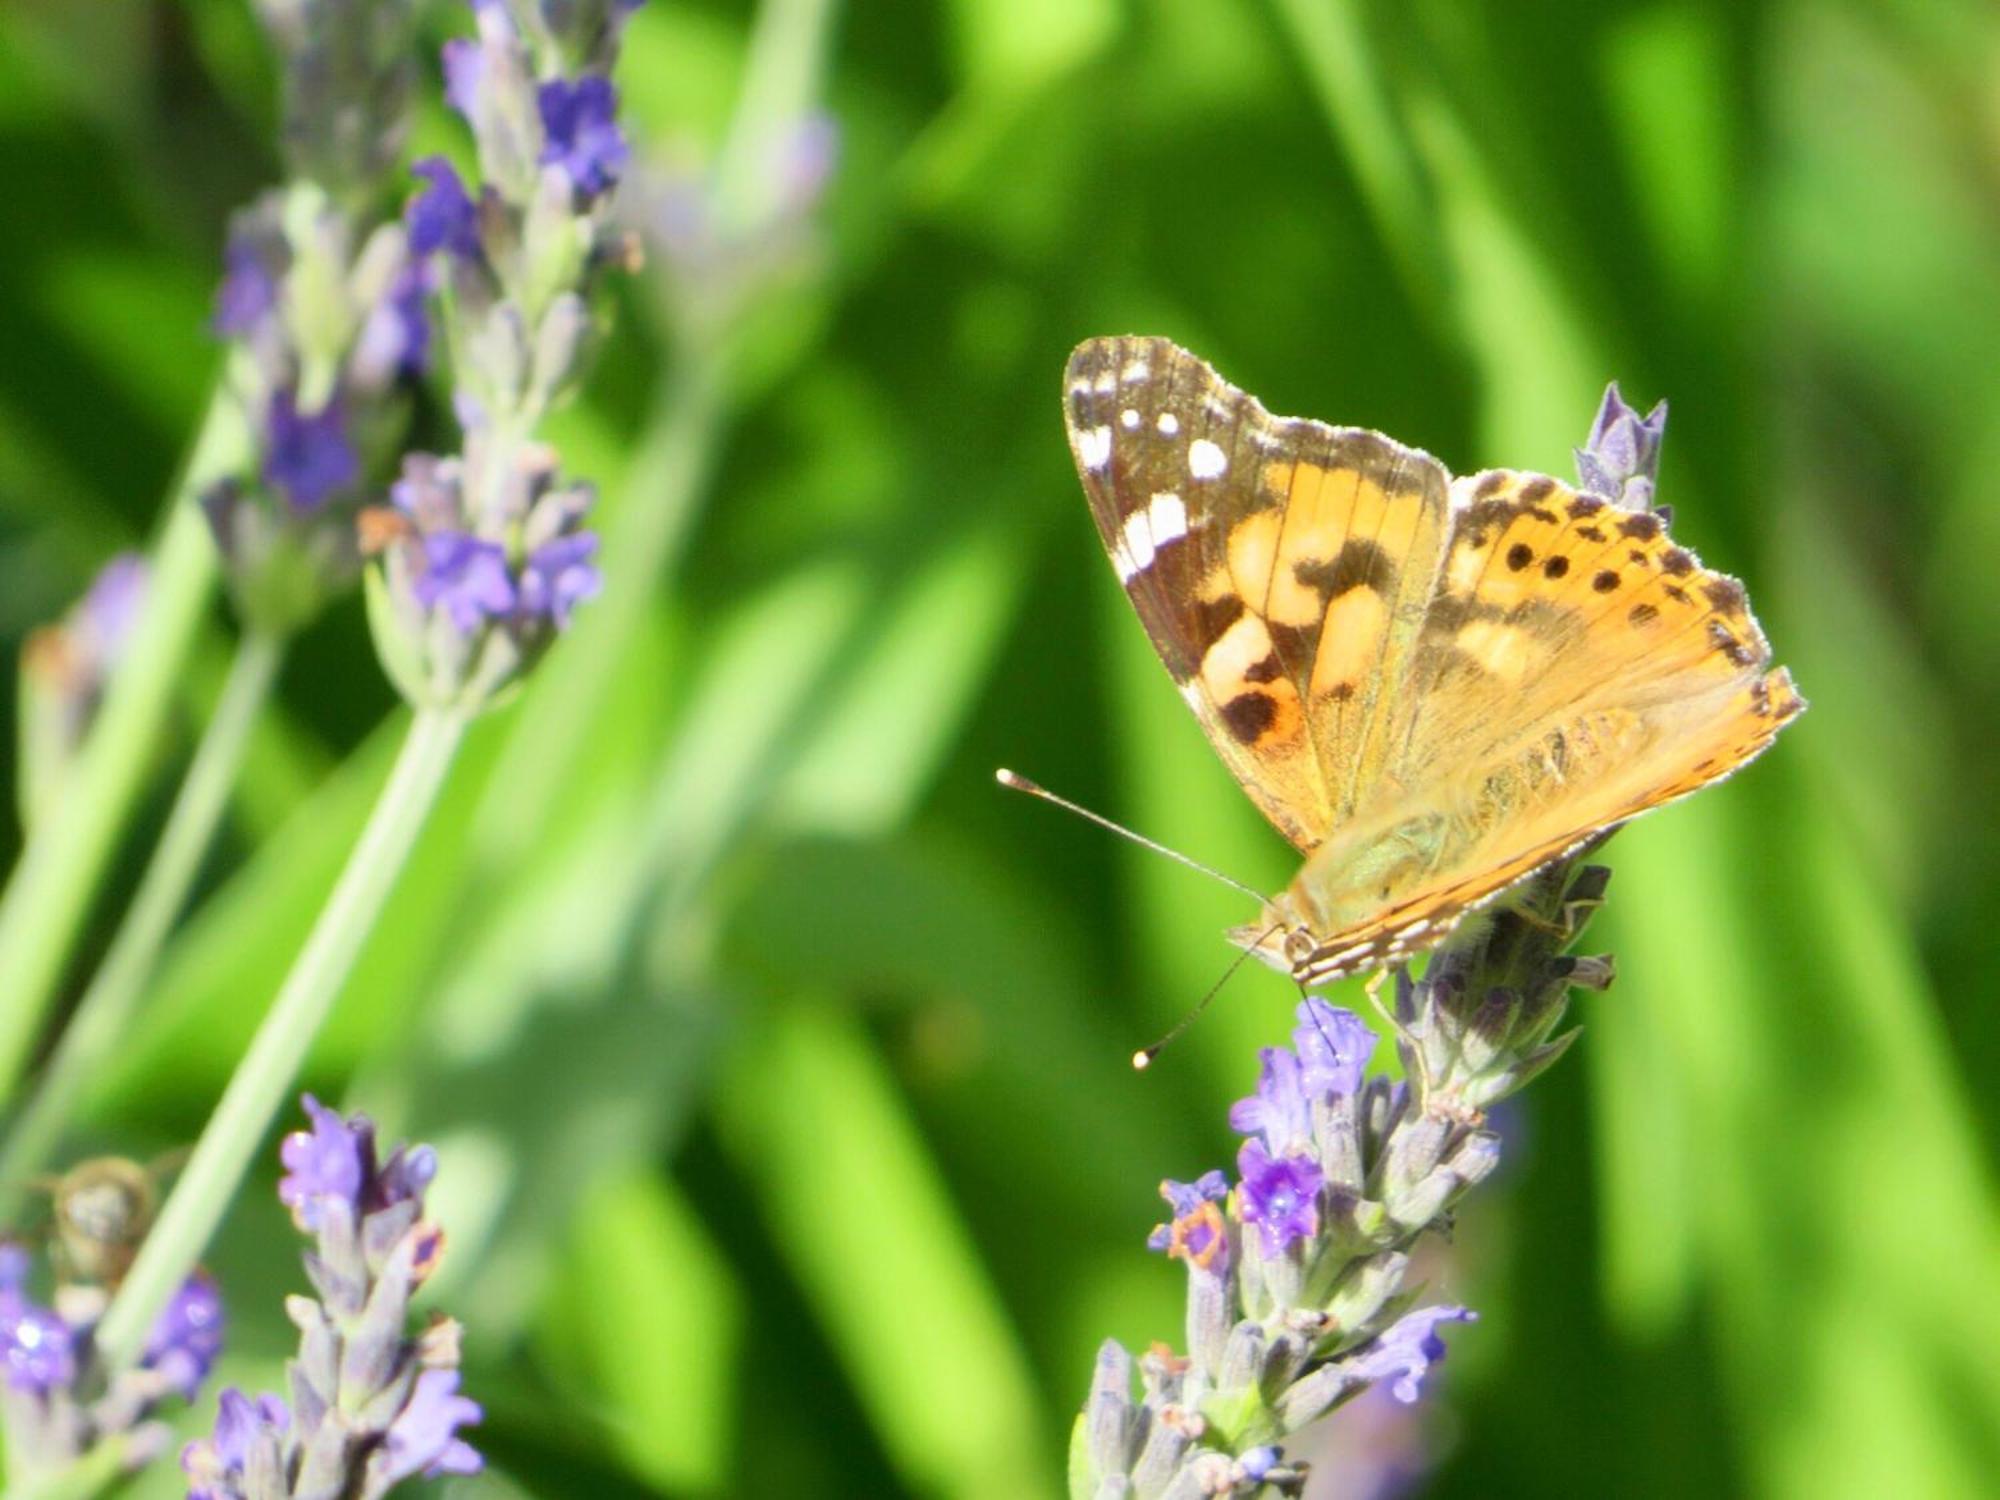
column 1300, row 945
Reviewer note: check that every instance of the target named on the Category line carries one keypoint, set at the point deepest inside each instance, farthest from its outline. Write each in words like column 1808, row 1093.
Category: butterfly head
column 1281, row 936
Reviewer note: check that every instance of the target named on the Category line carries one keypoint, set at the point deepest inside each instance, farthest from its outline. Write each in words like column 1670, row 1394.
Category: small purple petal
column 239, row 1422
column 1259, row 1462
column 396, row 338
column 424, row 1436
column 188, row 1335
column 465, row 65
column 1197, row 1233
column 37, row 1348
column 15, row 1264
column 308, row 457
column 583, row 138
column 332, row 1160
column 248, row 292
column 1279, row 1111
column 441, row 216
column 559, row 576
column 1404, row 1353
column 468, row 577
column 1280, row 1195
column 408, row 1171
column 1621, row 459
column 1334, row 1048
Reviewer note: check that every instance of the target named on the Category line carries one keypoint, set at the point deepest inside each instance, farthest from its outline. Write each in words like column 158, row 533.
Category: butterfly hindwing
column 1575, row 670
column 1278, row 564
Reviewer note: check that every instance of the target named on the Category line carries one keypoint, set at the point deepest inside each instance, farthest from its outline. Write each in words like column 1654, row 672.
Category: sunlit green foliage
column 778, row 1064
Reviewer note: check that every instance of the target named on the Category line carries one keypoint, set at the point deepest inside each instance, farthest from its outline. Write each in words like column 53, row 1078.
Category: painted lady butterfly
column 1432, row 686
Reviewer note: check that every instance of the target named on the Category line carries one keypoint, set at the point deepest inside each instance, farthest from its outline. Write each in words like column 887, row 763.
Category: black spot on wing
column 1360, row 563
column 1248, row 715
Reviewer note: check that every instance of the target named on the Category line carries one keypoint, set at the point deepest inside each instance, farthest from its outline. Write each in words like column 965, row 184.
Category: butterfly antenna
column 1143, row 1058
column 1016, row 783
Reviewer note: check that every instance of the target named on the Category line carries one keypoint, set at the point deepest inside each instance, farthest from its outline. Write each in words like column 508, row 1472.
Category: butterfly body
column 1431, row 686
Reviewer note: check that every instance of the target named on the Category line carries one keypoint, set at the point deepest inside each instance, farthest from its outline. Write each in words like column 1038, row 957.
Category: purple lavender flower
column 395, row 339
column 465, row 70
column 1197, row 1233
column 330, row 1161
column 1280, row 1196
column 37, row 1348
column 468, row 577
column 188, row 1335
column 584, row 140
column 1334, row 1047
column 1404, row 1353
column 1258, row 1463
column 560, row 575
column 308, row 456
column 217, row 1466
column 442, row 215
column 1621, row 458
column 1279, row 1111
column 249, row 288
column 424, row 1437
column 404, row 1176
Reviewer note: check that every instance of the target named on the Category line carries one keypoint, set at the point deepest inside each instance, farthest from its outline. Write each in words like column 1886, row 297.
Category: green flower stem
column 267, row 1073
column 106, row 1008
column 49, row 893
column 95, row 1473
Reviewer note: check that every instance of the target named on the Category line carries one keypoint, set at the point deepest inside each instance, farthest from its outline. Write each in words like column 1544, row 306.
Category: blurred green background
column 778, row 1061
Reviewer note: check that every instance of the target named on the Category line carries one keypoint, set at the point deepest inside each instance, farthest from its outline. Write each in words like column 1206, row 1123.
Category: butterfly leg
column 1570, row 918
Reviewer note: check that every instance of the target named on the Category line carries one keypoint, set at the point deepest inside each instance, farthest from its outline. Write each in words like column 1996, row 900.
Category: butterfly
column 1432, row 686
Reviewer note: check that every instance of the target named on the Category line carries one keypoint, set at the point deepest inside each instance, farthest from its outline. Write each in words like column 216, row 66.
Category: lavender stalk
column 1298, row 1300
column 323, row 312
column 481, row 559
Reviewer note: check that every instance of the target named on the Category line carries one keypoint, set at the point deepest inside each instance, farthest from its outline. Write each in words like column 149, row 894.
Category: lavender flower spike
column 53, row 1405
column 484, row 559
column 371, row 1405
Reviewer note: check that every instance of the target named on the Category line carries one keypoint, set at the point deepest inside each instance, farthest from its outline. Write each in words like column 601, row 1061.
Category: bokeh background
column 778, row 1061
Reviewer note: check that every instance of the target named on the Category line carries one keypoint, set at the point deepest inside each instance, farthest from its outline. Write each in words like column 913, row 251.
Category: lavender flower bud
column 347, row 71
column 534, row 87
column 1621, row 458
column 721, row 253
column 65, row 668
column 479, row 569
column 327, row 324
column 1108, row 1414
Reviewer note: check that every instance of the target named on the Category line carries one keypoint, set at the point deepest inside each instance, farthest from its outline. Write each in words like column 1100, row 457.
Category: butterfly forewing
column 1278, row 564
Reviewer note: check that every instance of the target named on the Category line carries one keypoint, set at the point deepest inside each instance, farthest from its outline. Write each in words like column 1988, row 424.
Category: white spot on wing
column 1169, row 424
column 1205, row 460
column 1146, row 531
column 1137, row 370
column 1129, row 419
column 1093, row 447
